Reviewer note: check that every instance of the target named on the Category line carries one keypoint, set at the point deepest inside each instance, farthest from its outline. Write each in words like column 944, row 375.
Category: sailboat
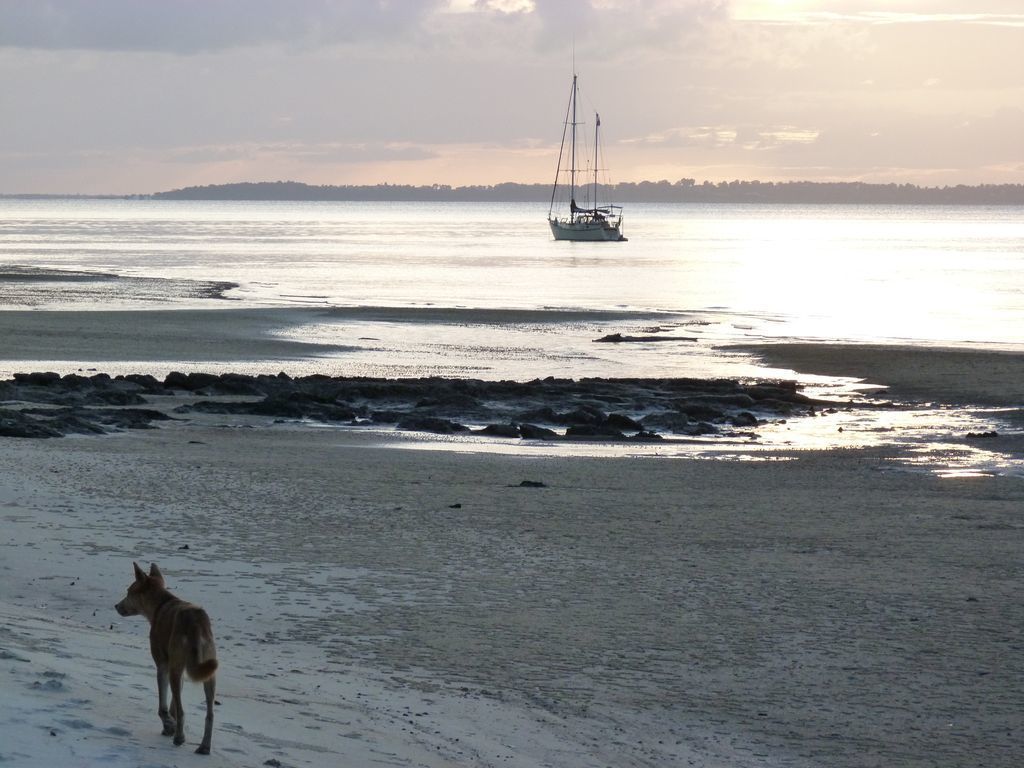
column 590, row 222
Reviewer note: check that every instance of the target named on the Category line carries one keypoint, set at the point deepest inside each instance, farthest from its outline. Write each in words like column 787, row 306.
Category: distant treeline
column 682, row 191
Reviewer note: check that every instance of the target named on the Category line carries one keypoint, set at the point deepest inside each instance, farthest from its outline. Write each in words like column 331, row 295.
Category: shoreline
column 944, row 397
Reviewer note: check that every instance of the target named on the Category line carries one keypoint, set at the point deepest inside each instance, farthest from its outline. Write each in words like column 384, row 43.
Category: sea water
column 931, row 275
column 481, row 289
column 959, row 270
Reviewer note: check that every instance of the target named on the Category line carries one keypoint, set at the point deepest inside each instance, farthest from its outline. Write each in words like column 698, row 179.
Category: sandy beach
column 380, row 601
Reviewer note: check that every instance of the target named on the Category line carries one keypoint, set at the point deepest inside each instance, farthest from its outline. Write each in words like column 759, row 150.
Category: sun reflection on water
column 921, row 439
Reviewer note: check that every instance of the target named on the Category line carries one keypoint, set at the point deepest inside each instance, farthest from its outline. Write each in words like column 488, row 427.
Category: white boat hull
column 590, row 231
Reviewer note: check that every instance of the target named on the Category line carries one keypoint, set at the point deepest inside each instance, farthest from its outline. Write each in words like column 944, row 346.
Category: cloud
column 190, row 26
column 140, row 94
column 816, row 12
column 615, row 28
column 335, row 153
column 609, row 27
column 741, row 137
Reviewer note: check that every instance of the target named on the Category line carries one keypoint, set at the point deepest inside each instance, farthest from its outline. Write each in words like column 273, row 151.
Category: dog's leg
column 176, row 708
column 209, row 687
column 161, row 687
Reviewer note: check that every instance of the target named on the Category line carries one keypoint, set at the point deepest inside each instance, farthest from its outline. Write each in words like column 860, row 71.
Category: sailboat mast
column 572, row 166
column 597, row 129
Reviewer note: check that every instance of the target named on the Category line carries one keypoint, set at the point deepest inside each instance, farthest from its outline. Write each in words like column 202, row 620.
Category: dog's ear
column 154, row 573
column 139, row 574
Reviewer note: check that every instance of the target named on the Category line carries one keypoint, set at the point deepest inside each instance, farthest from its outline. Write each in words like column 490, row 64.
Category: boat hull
column 588, row 231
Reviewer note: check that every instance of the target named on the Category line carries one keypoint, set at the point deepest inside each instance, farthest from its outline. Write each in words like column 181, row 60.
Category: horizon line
column 443, row 185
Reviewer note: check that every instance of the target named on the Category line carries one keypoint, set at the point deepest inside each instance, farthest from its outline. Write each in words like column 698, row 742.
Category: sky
column 138, row 96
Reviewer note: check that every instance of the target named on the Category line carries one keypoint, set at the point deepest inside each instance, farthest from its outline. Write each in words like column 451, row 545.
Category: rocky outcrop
column 56, row 422
column 550, row 408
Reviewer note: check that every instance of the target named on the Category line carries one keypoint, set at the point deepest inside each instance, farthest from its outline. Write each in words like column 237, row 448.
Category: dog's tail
column 201, row 658
column 201, row 671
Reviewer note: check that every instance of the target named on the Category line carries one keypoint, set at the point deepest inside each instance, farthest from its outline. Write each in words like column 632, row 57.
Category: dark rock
column 785, row 391
column 74, row 381
column 176, row 380
column 737, row 400
column 585, row 415
column 700, row 428
column 701, row 411
column 117, row 397
column 190, row 382
column 618, row 338
column 293, row 406
column 982, row 435
column 500, row 430
column 532, row 484
column 621, row 421
column 545, row 415
column 310, row 392
column 238, row 384
column 743, row 419
column 71, row 423
column 533, row 432
column 431, row 424
column 594, row 430
column 127, row 418
column 17, row 424
column 89, row 420
column 647, row 436
column 387, row 417
column 450, row 401
column 145, row 381
column 667, row 420
column 38, row 379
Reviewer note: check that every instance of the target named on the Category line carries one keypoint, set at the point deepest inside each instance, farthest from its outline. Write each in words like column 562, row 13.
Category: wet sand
column 945, row 375
column 224, row 334
column 88, row 337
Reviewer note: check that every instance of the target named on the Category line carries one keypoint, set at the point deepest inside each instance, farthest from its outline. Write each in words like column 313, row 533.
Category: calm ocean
column 929, row 275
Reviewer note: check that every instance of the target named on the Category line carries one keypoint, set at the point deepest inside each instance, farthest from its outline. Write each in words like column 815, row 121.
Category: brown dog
column 181, row 640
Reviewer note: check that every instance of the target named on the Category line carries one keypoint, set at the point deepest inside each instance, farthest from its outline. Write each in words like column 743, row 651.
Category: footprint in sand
column 49, row 685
